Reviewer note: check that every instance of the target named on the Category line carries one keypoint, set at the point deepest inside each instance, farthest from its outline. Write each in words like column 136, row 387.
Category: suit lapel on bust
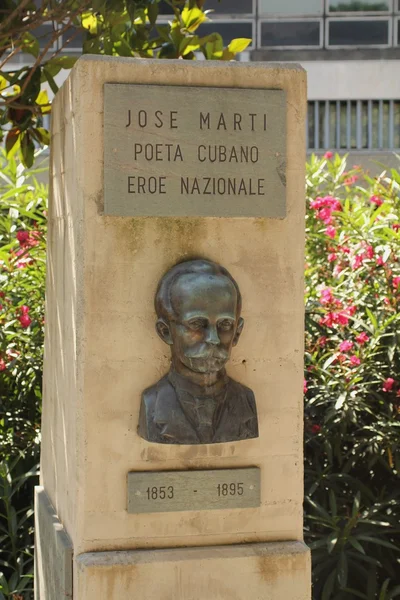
column 171, row 420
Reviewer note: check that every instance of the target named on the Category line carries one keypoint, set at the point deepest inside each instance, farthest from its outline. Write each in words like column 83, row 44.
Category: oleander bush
column 22, row 281
column 352, row 377
column 352, row 380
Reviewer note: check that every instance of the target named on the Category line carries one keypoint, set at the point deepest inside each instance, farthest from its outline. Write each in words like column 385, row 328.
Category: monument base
column 267, row 571
column 272, row 571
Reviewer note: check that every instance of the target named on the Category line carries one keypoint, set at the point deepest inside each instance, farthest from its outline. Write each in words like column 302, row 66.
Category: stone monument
column 172, row 467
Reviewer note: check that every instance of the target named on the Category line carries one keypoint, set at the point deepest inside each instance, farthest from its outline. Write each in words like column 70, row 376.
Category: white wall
column 353, row 80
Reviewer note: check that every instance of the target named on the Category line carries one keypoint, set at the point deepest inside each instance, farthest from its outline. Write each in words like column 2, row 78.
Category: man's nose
column 212, row 336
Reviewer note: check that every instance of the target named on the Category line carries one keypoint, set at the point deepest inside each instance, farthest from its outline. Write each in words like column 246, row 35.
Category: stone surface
column 194, row 151
column 101, row 349
column 167, row 491
column 53, row 552
column 249, row 571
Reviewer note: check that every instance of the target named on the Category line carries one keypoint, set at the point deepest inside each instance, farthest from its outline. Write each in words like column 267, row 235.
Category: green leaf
column 50, row 80
column 152, row 12
column 27, row 149
column 65, row 62
column 12, row 142
column 29, row 44
column 356, row 544
column 327, row 590
column 238, row 45
column 377, row 541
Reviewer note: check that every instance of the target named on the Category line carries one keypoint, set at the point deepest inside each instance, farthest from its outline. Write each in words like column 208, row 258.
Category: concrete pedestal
column 101, row 352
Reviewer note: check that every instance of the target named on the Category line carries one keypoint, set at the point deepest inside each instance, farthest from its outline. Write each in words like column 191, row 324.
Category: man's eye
column 225, row 325
column 197, row 324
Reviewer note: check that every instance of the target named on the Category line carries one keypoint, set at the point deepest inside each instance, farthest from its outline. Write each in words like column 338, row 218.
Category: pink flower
column 328, row 319
column 351, row 309
column 354, row 360
column 326, row 296
column 24, row 309
column 25, row 321
column 332, row 318
column 379, row 261
column 304, row 386
column 376, row 200
column 322, row 340
column 396, row 282
column 328, row 155
column 357, row 262
column 386, row 301
column 362, row 338
column 350, row 180
column 3, row 365
column 330, row 232
column 342, row 318
column 325, row 215
column 369, row 251
column 316, row 428
column 316, row 204
column 332, row 257
column 345, row 346
column 22, row 236
column 388, row 384
column 396, row 226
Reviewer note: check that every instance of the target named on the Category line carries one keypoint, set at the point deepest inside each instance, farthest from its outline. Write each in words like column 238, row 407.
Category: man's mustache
column 206, row 351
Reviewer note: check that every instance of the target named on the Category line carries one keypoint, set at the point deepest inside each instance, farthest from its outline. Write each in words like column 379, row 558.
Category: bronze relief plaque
column 168, row 491
column 198, row 306
column 194, row 151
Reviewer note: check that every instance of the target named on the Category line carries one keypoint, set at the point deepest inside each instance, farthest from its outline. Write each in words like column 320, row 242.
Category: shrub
column 352, row 381
column 352, row 377
column 22, row 278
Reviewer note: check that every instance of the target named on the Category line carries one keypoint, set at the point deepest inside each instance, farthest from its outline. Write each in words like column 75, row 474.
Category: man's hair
column 163, row 301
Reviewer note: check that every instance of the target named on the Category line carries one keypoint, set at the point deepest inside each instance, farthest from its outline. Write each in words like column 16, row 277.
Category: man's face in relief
column 205, row 326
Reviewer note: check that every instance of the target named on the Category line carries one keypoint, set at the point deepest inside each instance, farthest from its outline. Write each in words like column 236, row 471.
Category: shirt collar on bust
column 179, row 382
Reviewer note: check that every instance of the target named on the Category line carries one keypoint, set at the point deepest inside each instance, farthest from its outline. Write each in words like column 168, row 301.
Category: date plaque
column 168, row 491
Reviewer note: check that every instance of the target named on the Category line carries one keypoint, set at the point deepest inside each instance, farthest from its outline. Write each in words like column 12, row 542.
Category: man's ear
column 238, row 331
column 163, row 331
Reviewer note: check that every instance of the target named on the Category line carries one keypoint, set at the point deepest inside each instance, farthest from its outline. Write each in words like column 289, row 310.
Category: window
column 222, row 7
column 291, row 34
column 272, row 8
column 228, row 30
column 76, row 43
column 346, row 6
column 229, row 7
column 44, row 33
column 356, row 32
column 353, row 124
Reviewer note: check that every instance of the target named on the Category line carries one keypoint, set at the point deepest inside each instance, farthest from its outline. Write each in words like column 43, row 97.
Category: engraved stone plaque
column 167, row 491
column 194, row 151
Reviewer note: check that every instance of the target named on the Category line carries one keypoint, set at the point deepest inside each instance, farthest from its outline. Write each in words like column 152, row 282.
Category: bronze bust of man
column 198, row 305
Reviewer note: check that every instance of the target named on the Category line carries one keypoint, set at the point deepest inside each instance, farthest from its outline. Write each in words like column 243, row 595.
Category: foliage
column 22, row 279
column 112, row 27
column 352, row 386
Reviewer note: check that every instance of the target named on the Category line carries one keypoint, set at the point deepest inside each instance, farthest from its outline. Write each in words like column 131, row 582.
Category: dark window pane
column 77, row 35
column 294, row 33
column 228, row 31
column 302, row 8
column 165, row 9
column 358, row 5
column 358, row 33
column 43, row 33
column 226, row 7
